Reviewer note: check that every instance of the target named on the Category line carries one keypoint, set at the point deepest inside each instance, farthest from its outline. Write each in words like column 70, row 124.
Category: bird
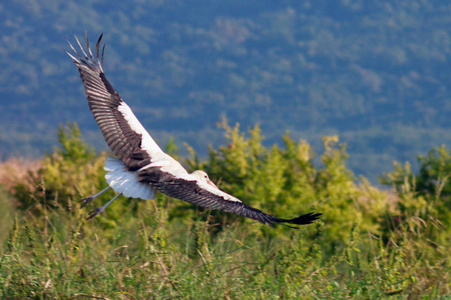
column 140, row 167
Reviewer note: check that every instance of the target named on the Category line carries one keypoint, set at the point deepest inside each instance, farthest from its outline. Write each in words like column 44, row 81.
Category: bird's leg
column 98, row 210
column 87, row 200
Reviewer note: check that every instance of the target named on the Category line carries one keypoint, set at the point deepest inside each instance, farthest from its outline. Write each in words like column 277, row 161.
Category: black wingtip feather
column 303, row 220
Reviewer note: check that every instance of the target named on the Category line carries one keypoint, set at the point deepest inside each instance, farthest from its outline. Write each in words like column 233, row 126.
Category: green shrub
column 426, row 194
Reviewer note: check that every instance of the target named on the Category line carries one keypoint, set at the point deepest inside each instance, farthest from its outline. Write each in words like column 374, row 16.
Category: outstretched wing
column 189, row 189
column 122, row 131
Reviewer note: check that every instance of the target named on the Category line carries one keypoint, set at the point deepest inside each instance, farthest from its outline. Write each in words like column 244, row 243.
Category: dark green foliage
column 168, row 249
column 426, row 194
column 432, row 177
column 435, row 171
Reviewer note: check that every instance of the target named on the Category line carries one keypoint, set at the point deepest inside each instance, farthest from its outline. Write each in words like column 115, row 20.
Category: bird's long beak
column 212, row 184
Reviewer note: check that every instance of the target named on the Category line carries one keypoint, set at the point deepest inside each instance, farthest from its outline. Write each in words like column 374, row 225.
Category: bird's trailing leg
column 98, row 210
column 86, row 201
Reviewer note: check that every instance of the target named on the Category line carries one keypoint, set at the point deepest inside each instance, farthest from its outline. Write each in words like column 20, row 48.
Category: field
column 370, row 243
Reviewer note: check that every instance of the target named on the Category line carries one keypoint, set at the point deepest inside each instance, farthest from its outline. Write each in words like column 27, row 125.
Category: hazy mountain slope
column 376, row 74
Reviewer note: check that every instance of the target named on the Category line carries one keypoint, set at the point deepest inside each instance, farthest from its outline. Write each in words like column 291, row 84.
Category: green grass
column 60, row 255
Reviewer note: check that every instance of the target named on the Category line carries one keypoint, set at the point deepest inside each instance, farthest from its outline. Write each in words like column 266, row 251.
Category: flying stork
column 141, row 167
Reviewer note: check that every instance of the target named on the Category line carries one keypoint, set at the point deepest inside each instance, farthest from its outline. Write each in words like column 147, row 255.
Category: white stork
column 141, row 167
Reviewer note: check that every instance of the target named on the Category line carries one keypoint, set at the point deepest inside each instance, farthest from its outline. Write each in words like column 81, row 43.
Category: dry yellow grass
column 15, row 170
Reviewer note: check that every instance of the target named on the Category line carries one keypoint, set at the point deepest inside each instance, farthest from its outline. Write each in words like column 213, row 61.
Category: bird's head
column 202, row 176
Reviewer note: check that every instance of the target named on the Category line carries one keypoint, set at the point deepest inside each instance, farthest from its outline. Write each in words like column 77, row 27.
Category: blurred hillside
column 374, row 73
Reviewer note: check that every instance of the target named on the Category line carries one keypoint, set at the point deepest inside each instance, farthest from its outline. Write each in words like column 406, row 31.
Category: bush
column 426, row 194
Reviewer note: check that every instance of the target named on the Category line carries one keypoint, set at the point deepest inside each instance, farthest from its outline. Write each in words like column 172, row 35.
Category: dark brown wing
column 201, row 194
column 115, row 119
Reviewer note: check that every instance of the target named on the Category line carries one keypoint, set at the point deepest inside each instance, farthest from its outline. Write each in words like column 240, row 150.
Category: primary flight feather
column 141, row 167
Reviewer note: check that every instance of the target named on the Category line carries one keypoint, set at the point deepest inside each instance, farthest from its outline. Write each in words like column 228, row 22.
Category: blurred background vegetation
column 370, row 242
column 374, row 72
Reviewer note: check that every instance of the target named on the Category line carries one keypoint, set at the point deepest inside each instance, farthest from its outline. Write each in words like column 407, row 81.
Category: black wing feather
column 104, row 102
column 191, row 192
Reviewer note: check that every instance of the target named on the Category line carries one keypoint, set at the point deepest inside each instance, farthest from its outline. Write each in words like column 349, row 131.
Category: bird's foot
column 95, row 212
column 85, row 201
